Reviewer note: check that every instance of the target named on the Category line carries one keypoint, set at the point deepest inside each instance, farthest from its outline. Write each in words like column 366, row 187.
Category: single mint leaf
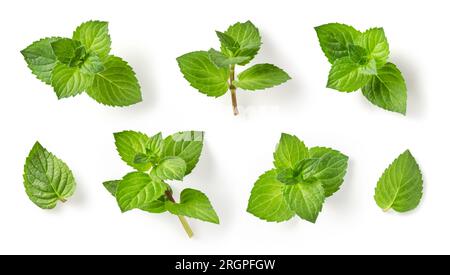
column 288, row 176
column 223, row 61
column 194, row 204
column 376, row 44
column 267, row 201
column 248, row 37
column 95, row 37
column 171, row 168
column 262, row 76
column 358, row 54
column 347, row 76
column 401, row 186
column 306, row 199
column 41, row 59
column 92, row 65
column 156, row 145
column 142, row 159
column 131, row 143
column 335, row 39
column 203, row 74
column 69, row 51
column 138, row 189
column 116, row 85
column 70, row 81
column 112, row 186
column 229, row 46
column 387, row 89
column 47, row 179
column 330, row 168
column 289, row 152
column 185, row 145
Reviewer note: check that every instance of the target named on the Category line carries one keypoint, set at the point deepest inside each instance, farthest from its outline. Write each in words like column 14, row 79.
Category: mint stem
column 233, row 91
column 182, row 219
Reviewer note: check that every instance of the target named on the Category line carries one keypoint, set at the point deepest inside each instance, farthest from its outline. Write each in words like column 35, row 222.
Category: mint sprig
column 156, row 161
column 83, row 64
column 300, row 182
column 213, row 72
column 360, row 61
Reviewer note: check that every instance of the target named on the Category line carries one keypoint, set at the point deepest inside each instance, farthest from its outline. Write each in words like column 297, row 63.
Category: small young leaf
column 376, row 44
column 229, row 46
column 401, row 185
column 95, row 37
column 347, row 76
column 288, row 176
column 69, row 52
column 194, row 204
column 186, row 145
column 335, row 40
column 171, row 168
column 112, row 186
column 139, row 189
column 47, row 179
column 203, row 74
column 289, row 152
column 70, row 81
column 248, row 37
column 116, row 85
column 156, row 145
column 223, row 61
column 92, row 65
column 358, row 54
column 261, row 77
column 306, row 199
column 267, row 200
column 142, row 159
column 131, row 143
column 387, row 89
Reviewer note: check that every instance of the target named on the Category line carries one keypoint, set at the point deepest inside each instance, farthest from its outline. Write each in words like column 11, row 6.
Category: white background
column 150, row 35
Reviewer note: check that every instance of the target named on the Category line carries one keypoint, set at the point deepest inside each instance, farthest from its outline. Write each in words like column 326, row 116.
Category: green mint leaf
column 248, row 37
column 387, row 89
column 287, row 176
column 261, row 77
column 47, row 179
column 194, row 204
column 358, row 54
column 41, row 59
column 69, row 52
column 401, row 185
column 156, row 145
column 116, row 85
column 95, row 37
column 137, row 190
column 289, row 152
column 330, row 168
column 112, row 186
column 70, row 81
column 203, row 74
column 171, row 168
column 185, row 145
column 347, row 76
column 142, row 159
column 267, row 200
column 376, row 44
column 223, row 61
column 129, row 144
column 335, row 39
column 92, row 65
column 229, row 46
column 306, row 199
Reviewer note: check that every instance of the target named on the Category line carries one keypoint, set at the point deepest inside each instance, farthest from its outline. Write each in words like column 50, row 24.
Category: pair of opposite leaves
column 83, row 63
column 301, row 181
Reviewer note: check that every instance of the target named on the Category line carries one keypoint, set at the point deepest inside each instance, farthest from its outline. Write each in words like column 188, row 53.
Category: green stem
column 182, row 219
column 233, row 91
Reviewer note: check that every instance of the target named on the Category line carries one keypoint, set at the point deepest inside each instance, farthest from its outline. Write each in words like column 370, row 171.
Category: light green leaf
column 229, row 46
column 335, row 39
column 347, row 76
column 47, row 179
column 186, row 145
column 69, row 52
column 138, row 189
column 289, row 152
column 287, row 176
column 70, row 81
column 194, row 204
column 92, row 65
column 41, row 59
column 376, row 44
column 223, row 61
column 267, row 200
column 156, row 145
column 306, row 199
column 261, row 77
column 248, row 37
column 116, row 85
column 358, row 54
column 387, row 89
column 330, row 169
column 401, row 186
column 95, row 37
column 171, row 168
column 131, row 143
column 112, row 186
column 203, row 74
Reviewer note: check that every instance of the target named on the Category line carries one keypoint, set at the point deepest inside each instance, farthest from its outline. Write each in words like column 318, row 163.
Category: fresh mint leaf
column 129, row 144
column 401, row 185
column 223, row 61
column 248, row 38
column 171, row 168
column 112, row 186
column 358, row 55
column 94, row 35
column 288, row 176
column 260, row 77
column 185, row 145
column 194, row 204
column 229, row 46
column 203, row 74
column 376, row 44
column 387, row 89
column 92, row 65
column 70, row 81
column 143, row 159
column 335, row 40
column 47, row 179
column 289, row 152
column 69, row 52
column 305, row 199
column 347, row 76
column 156, row 145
